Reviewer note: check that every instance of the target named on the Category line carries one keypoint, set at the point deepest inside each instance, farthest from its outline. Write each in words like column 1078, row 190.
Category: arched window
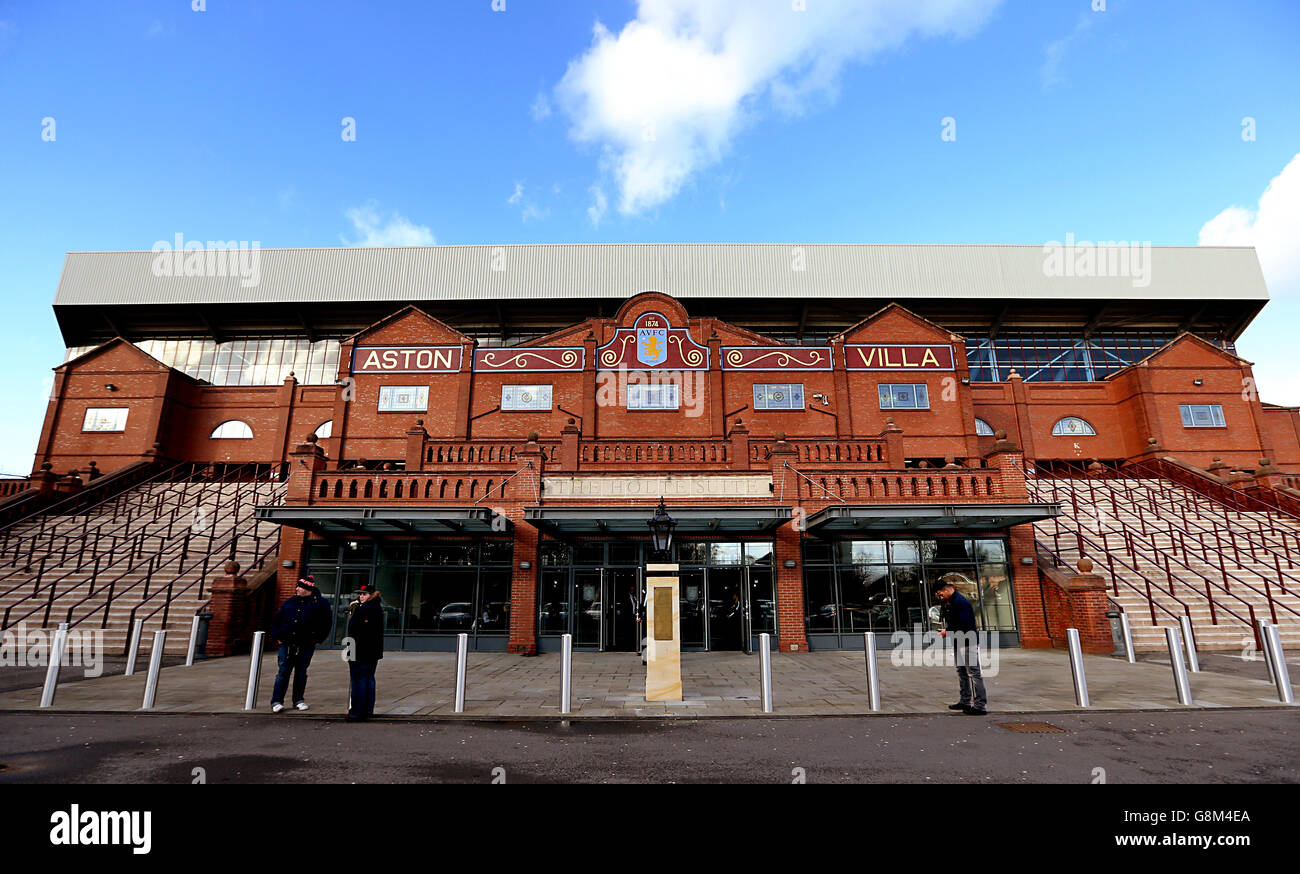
column 234, row 429
column 326, row 430
column 982, row 428
column 1073, row 426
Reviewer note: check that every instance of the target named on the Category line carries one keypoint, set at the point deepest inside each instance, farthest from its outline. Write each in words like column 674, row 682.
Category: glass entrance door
column 729, row 615
column 589, row 612
column 622, row 594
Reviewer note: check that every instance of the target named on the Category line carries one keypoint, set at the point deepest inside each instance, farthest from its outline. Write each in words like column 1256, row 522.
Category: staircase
column 1171, row 551
column 146, row 553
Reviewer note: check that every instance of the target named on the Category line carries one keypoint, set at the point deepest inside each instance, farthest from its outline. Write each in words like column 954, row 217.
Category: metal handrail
column 182, row 544
column 1152, row 604
column 1212, row 489
column 1077, row 532
column 57, row 508
column 1232, row 533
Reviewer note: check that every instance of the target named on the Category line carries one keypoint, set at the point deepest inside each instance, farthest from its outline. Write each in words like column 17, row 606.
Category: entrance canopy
column 850, row 518
column 387, row 521
column 564, row 522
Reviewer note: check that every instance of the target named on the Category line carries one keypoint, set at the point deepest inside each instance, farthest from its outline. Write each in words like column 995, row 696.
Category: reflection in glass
column 819, row 597
column 996, row 594
column 909, row 600
column 866, row 602
column 724, row 553
column 692, row 606
column 762, row 601
column 554, row 606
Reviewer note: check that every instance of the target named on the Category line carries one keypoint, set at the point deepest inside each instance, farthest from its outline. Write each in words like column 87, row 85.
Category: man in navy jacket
column 959, row 617
column 302, row 622
column 366, row 635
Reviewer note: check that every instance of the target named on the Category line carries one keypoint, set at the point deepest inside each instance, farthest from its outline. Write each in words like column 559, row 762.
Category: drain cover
column 1031, row 727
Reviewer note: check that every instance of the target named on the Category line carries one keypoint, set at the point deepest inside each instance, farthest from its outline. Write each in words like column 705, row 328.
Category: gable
column 409, row 326
column 115, row 356
column 895, row 324
column 1189, row 350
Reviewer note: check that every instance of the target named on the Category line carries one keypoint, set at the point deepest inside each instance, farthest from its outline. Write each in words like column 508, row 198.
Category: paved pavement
column 612, row 685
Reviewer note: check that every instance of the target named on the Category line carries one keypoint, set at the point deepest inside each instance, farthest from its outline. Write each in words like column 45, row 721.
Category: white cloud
column 519, row 193
column 665, row 96
column 599, row 203
column 1271, row 228
column 1054, row 53
column 397, row 231
column 528, row 208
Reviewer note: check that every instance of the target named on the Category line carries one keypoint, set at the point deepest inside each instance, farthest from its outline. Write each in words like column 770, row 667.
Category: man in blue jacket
column 302, row 622
column 959, row 617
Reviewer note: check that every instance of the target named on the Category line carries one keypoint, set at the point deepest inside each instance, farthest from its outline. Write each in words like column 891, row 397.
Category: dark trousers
column 292, row 659
column 363, row 689
column 970, row 680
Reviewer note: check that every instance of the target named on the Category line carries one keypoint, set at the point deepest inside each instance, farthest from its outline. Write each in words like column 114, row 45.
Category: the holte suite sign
column 898, row 356
column 746, row 486
column 406, row 359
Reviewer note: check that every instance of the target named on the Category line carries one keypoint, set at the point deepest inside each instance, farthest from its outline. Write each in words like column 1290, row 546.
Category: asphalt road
column 1219, row 746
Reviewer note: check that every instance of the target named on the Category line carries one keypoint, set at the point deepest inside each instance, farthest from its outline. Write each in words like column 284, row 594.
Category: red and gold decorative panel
column 777, row 358
column 529, row 359
column 898, row 356
column 651, row 343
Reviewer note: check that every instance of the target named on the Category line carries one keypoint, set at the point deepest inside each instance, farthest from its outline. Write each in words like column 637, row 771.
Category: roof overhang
column 388, row 521
column 595, row 521
column 853, row 518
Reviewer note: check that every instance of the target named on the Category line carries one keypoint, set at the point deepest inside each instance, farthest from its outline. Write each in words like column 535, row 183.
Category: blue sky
column 657, row 120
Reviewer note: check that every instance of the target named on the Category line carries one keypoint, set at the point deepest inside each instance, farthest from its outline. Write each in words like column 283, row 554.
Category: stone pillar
column 1028, row 588
column 227, row 631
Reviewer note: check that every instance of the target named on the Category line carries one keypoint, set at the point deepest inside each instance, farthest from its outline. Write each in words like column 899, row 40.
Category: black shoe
column 351, row 718
column 974, row 711
column 958, row 706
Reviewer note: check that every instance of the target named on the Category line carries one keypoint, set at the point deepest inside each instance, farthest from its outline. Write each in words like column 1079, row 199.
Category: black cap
column 368, row 588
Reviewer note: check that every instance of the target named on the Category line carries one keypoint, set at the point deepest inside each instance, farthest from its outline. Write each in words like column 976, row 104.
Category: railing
column 419, row 486
column 1198, row 482
column 479, row 453
column 924, row 485
column 620, row 453
column 1116, row 580
column 92, row 494
column 10, row 487
column 181, row 547
column 869, row 452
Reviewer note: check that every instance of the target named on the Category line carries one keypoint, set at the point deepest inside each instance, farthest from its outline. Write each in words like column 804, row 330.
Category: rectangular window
column 904, row 397
column 785, row 396
column 525, row 397
column 105, row 419
column 403, row 398
column 652, row 397
column 1202, row 415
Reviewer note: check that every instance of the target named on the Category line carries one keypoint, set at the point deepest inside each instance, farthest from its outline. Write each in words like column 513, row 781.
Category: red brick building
column 485, row 431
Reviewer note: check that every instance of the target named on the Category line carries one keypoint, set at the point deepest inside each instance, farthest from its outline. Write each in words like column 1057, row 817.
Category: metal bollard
column 873, row 672
column 155, row 665
column 194, row 640
column 254, row 670
column 56, row 662
column 1268, row 651
column 1128, row 638
column 462, row 651
column 1189, row 644
column 137, row 630
column 765, row 670
column 1175, row 643
column 1076, row 668
column 566, row 671
column 1281, row 673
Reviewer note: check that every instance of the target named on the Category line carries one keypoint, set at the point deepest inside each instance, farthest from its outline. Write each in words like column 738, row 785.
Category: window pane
column 819, row 599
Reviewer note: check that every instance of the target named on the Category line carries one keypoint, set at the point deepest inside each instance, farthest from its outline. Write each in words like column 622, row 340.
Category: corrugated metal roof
column 686, row 270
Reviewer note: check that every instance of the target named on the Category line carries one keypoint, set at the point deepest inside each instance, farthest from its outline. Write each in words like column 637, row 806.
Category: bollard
column 1281, row 674
column 873, row 672
column 56, row 662
column 1076, row 668
column 137, row 630
column 194, row 639
column 1189, row 643
column 1175, row 643
column 462, row 650
column 566, row 671
column 765, row 670
column 254, row 670
column 155, row 665
column 1128, row 638
column 1268, row 651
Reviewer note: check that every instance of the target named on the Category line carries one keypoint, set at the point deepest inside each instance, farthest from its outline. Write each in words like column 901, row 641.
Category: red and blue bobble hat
column 308, row 582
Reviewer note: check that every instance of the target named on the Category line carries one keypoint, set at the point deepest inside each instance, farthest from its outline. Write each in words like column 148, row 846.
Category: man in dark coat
column 366, row 634
column 959, row 617
column 302, row 622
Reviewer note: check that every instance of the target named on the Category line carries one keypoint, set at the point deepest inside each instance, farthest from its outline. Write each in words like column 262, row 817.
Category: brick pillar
column 1007, row 459
column 789, row 591
column 1086, row 594
column 1024, row 428
column 1029, row 593
column 227, row 630
column 306, row 460
column 416, row 438
column 569, row 448
column 844, row 425
column 894, row 449
column 739, row 437
column 44, row 479
column 589, row 385
column 523, row 586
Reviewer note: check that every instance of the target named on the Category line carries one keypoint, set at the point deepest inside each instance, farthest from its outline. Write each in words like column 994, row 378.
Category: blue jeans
column 363, row 689
column 297, row 664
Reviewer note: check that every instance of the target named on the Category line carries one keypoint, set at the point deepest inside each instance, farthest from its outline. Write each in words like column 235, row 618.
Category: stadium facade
column 485, row 430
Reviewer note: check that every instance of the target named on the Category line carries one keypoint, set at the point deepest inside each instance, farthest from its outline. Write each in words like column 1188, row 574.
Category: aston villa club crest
column 652, row 343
